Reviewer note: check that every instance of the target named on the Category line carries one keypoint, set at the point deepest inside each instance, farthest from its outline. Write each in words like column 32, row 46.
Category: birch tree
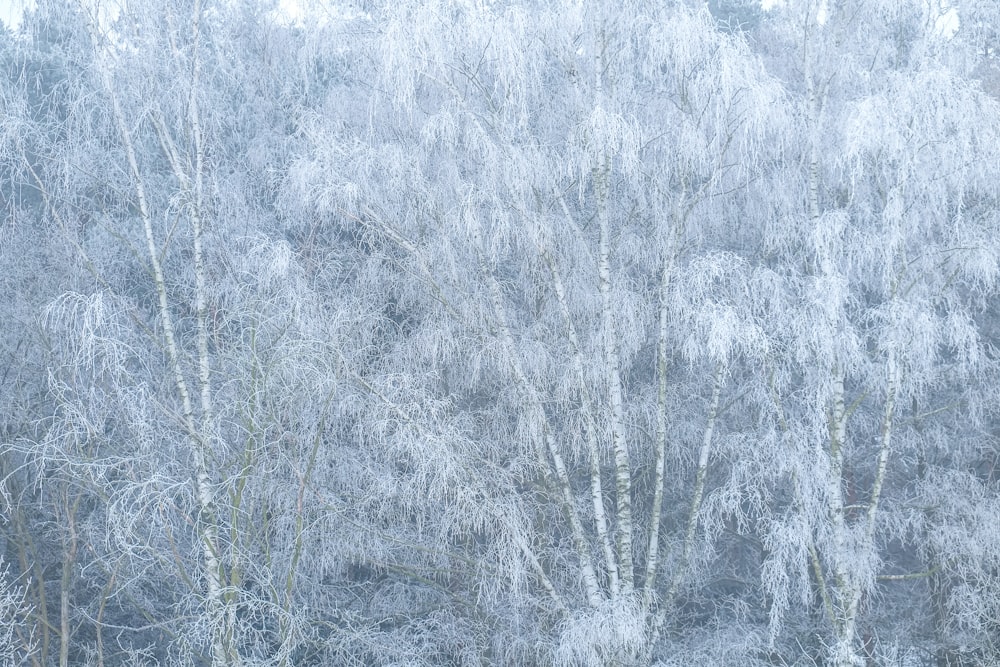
column 558, row 230
column 144, row 352
column 895, row 216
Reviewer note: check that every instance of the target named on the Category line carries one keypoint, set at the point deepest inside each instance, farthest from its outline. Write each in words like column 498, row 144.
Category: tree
column 548, row 233
column 897, row 249
column 157, row 490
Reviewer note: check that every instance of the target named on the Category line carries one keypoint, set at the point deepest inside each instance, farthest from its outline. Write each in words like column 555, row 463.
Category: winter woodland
column 500, row 332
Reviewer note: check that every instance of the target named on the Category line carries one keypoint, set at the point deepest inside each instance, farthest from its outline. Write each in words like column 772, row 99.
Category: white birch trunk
column 222, row 654
column 846, row 585
column 704, row 454
column 653, row 549
column 849, row 626
column 593, row 452
column 548, row 442
column 623, row 467
column 699, row 485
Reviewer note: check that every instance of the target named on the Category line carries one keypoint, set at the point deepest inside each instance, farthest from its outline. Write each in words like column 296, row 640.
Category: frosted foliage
column 828, row 236
column 84, row 324
column 785, row 572
column 718, row 647
column 488, row 332
column 14, row 613
column 968, row 536
column 718, row 90
column 820, row 329
column 929, row 158
column 412, row 38
column 602, row 137
column 613, row 633
column 918, row 335
column 921, row 124
column 717, row 298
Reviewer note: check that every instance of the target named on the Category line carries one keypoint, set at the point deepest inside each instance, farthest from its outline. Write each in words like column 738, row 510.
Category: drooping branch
column 541, row 422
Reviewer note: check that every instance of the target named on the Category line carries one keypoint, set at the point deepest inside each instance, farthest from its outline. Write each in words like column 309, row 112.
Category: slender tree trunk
column 593, row 452
column 653, row 550
column 66, row 582
column 223, row 651
column 697, row 497
column 547, row 442
column 612, row 365
column 699, row 485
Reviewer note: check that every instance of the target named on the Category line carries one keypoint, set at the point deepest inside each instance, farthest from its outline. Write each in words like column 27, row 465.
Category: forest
column 465, row 333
